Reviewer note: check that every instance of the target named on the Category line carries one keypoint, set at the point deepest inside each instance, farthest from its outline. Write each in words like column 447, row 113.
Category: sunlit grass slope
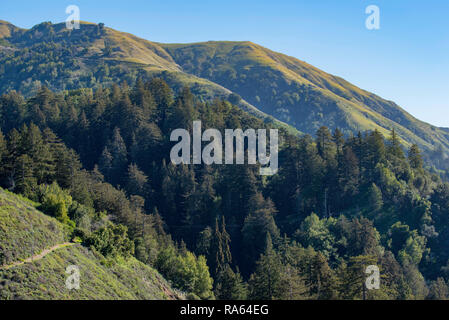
column 26, row 232
column 300, row 94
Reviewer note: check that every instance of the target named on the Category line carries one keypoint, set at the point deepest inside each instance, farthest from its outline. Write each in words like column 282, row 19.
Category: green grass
column 24, row 231
column 45, row 279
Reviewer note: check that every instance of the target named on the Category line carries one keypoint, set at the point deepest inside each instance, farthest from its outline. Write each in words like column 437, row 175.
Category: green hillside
column 336, row 205
column 26, row 232
column 91, row 56
column 45, row 279
column 270, row 85
column 7, row 29
column 300, row 94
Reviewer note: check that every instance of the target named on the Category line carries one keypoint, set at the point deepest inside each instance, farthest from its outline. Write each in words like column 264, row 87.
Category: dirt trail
column 38, row 256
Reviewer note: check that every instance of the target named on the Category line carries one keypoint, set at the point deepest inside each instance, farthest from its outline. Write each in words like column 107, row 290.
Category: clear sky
column 406, row 60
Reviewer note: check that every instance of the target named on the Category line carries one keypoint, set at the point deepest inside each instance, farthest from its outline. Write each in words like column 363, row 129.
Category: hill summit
column 271, row 85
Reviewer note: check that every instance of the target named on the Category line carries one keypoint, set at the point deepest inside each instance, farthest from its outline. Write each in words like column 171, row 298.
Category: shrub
column 112, row 241
column 55, row 202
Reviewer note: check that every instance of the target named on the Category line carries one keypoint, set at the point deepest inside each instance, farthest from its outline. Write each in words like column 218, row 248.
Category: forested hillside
column 112, row 223
column 270, row 85
column 301, row 95
column 337, row 204
column 92, row 56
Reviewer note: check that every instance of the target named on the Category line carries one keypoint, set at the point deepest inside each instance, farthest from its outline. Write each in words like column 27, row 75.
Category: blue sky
column 406, row 60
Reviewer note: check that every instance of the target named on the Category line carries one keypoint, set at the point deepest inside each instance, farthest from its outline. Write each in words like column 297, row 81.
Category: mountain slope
column 92, row 56
column 26, row 232
column 7, row 29
column 300, row 94
column 45, row 279
column 273, row 86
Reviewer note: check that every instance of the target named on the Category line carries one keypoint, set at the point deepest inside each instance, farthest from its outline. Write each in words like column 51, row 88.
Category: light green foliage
column 55, row 202
column 112, row 241
column 374, row 198
column 407, row 243
column 46, row 279
column 24, row 231
column 186, row 272
column 315, row 233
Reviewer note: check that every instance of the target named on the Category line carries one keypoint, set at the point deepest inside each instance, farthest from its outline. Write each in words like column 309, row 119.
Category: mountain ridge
column 367, row 110
column 271, row 85
column 108, row 55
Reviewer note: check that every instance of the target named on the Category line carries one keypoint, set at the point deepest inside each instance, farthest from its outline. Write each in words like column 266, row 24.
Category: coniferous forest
column 98, row 161
column 107, row 191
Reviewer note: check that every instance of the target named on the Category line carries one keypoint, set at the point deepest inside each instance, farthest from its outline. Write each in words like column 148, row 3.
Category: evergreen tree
column 182, row 113
column 220, row 247
column 414, row 157
column 255, row 228
column 339, row 140
column 24, row 181
column 114, row 159
column 230, row 285
column 374, row 199
column 163, row 97
column 136, row 181
column 265, row 282
column 292, row 284
column 325, row 144
column 105, row 163
column 374, row 153
column 394, row 145
column 438, row 290
column 353, row 276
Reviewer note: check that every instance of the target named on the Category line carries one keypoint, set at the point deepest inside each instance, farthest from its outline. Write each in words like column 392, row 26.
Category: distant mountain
column 7, row 29
column 62, row 59
column 300, row 94
column 268, row 84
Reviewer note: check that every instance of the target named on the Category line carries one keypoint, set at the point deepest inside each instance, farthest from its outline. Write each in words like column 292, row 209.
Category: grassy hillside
column 92, row 56
column 24, row 232
column 300, row 94
column 45, row 279
column 7, row 29
column 272, row 86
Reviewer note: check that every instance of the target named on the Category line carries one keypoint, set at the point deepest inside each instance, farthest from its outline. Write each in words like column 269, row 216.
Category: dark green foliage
column 230, row 285
column 336, row 203
column 438, row 290
column 265, row 283
column 414, row 157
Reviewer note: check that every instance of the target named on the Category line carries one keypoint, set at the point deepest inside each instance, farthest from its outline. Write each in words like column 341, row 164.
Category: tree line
column 338, row 204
